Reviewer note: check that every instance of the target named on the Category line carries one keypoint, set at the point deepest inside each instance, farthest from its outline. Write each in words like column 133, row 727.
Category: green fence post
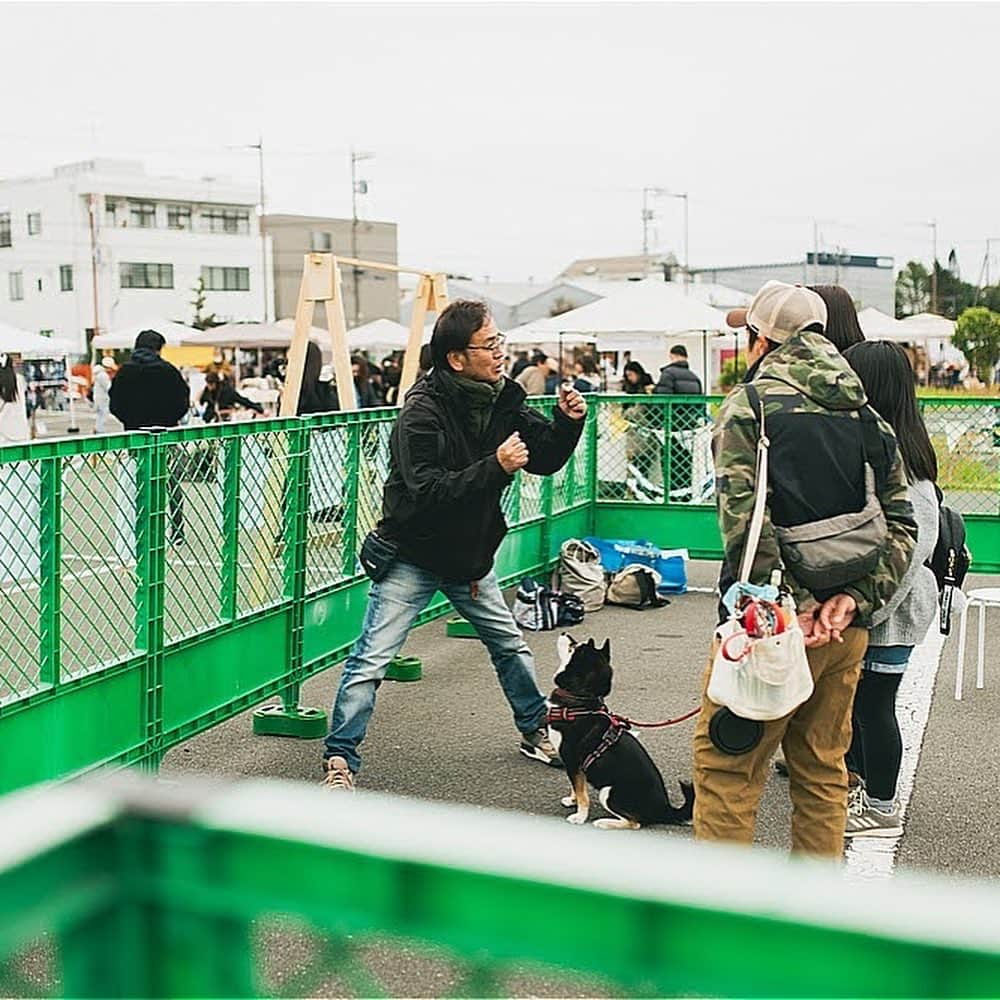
column 290, row 718
column 50, row 570
column 548, row 492
column 352, row 473
column 233, row 450
column 668, row 423
column 151, row 464
column 592, row 444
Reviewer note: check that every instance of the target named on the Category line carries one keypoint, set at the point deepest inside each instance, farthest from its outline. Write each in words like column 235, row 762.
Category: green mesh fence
column 163, row 582
column 966, row 439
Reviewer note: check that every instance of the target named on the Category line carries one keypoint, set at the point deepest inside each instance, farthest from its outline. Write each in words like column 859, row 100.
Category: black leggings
column 876, row 746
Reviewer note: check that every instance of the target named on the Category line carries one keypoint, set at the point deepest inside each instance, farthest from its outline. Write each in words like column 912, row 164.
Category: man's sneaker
column 872, row 822
column 338, row 775
column 537, row 746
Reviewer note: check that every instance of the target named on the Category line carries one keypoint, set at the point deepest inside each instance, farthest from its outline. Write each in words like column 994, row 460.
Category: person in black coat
column 676, row 378
column 462, row 434
column 150, row 392
column 220, row 398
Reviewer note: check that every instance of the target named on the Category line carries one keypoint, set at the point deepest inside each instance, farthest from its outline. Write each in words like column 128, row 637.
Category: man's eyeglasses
column 494, row 346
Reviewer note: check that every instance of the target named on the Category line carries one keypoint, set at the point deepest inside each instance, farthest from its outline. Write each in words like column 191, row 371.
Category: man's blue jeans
column 393, row 605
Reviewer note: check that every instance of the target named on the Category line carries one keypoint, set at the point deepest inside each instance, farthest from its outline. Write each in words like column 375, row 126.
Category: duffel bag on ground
column 581, row 573
column 671, row 564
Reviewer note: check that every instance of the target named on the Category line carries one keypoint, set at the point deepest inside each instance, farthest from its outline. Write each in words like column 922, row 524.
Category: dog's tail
column 683, row 813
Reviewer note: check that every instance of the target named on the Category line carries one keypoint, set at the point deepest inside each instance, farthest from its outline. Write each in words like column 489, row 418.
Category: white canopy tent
column 251, row 336
column 123, row 339
column 644, row 318
column 383, row 336
column 928, row 326
column 876, row 325
column 16, row 341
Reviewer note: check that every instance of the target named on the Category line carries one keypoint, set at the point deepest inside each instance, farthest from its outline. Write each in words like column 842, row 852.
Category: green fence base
column 459, row 628
column 405, row 668
column 302, row 723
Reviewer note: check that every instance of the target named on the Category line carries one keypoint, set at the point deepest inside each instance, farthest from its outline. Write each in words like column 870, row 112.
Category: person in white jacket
column 102, row 393
column 14, row 427
column 876, row 747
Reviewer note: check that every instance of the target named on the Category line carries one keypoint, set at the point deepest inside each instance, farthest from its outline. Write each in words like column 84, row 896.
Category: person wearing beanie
column 149, row 392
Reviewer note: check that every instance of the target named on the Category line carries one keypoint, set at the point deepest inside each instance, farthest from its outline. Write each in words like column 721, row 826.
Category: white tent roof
column 876, row 325
column 123, row 338
column 719, row 296
column 16, row 341
column 925, row 326
column 251, row 335
column 383, row 335
column 642, row 309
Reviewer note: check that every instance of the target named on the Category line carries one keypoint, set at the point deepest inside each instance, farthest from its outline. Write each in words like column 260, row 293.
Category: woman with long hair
column 876, row 747
column 364, row 391
column 314, row 395
column 635, row 379
column 842, row 327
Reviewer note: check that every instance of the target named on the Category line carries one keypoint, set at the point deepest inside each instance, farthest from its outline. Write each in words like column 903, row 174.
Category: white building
column 151, row 239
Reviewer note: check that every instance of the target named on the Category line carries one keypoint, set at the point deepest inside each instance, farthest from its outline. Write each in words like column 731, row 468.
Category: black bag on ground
column 950, row 560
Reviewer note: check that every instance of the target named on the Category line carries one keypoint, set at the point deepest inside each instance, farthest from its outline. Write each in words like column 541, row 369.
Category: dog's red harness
column 617, row 724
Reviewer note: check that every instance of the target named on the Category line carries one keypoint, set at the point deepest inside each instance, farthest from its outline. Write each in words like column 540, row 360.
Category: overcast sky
column 511, row 139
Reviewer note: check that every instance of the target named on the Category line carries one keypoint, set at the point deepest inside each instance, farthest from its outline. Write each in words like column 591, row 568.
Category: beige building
column 368, row 294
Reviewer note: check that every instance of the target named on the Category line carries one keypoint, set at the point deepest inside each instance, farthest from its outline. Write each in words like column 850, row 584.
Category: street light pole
column 259, row 146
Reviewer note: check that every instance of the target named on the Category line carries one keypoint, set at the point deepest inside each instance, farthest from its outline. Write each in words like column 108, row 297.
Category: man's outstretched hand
column 572, row 403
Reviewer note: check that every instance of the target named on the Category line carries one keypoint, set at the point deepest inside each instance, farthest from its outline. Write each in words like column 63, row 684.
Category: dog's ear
column 606, row 649
column 590, row 642
column 565, row 645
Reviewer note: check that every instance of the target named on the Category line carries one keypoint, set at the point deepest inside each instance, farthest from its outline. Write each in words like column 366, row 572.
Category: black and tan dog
column 597, row 748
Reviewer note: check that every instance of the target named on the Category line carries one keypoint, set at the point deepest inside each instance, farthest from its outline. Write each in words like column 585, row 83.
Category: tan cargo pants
column 815, row 738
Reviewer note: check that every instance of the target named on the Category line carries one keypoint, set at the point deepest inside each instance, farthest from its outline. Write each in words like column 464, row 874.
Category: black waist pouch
column 377, row 555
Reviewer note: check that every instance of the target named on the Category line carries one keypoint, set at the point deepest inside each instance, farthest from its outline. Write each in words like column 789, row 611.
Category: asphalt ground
column 450, row 737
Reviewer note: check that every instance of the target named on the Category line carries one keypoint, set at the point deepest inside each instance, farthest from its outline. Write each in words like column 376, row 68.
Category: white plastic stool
column 985, row 597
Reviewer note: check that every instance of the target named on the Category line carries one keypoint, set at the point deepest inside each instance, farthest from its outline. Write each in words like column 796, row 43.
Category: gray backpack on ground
column 581, row 573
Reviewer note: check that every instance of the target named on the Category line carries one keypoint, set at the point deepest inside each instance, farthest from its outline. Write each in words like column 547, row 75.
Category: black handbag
column 377, row 555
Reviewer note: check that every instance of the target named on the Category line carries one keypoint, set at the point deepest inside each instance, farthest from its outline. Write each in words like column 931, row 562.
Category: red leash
column 660, row 725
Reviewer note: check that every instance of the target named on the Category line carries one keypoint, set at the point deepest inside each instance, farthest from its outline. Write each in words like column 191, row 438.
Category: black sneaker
column 537, row 746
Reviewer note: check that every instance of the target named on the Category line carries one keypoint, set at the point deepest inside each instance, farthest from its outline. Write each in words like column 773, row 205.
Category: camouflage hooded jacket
column 812, row 402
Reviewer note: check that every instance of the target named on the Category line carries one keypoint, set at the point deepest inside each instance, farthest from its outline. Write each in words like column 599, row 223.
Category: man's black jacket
column 149, row 392
column 677, row 379
column 442, row 499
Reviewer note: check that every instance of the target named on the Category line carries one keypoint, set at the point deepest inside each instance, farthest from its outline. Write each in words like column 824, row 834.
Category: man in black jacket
column 151, row 392
column 677, row 379
column 462, row 434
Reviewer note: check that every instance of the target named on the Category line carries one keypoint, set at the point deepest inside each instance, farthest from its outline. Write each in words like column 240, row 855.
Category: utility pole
column 92, row 206
column 934, row 283
column 357, row 187
column 647, row 217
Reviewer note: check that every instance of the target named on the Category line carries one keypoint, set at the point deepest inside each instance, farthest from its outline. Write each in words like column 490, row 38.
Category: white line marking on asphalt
column 869, row 858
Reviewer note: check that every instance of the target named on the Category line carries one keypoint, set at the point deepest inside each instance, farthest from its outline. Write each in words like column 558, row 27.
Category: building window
column 66, row 278
column 178, row 217
column 226, row 279
column 5, row 229
column 110, row 213
column 226, row 220
column 147, row 275
column 34, row 223
column 142, row 214
column 16, row 280
column 322, row 241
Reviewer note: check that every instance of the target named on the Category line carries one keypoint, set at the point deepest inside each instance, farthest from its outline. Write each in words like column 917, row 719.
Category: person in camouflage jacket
column 814, row 406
